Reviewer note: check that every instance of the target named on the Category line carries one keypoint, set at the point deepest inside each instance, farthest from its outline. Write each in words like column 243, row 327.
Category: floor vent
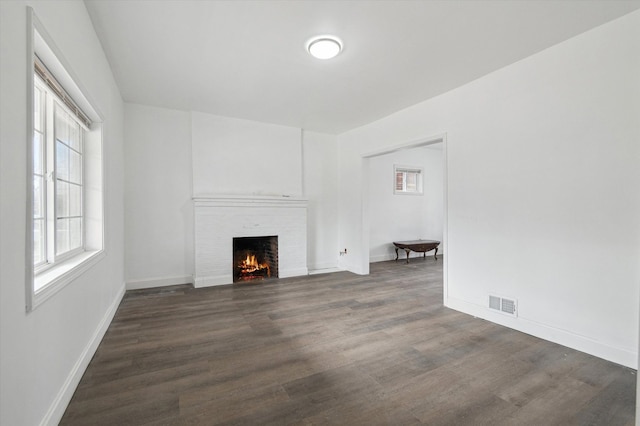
column 503, row 305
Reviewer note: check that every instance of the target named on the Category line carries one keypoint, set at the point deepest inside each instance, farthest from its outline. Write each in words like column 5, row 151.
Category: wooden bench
column 419, row 246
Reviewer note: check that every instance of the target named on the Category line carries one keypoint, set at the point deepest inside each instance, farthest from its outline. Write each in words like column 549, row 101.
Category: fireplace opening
column 255, row 258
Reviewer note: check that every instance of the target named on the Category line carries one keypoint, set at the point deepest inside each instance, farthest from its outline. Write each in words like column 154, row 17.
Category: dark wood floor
column 336, row 349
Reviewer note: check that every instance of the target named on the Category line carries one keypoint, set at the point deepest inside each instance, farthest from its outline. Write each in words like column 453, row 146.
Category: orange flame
column 250, row 264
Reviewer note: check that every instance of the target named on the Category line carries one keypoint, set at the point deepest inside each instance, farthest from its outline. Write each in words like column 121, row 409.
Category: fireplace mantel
column 220, row 218
column 249, row 201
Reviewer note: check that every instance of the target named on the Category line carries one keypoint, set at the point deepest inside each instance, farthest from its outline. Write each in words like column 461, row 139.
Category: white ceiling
column 247, row 59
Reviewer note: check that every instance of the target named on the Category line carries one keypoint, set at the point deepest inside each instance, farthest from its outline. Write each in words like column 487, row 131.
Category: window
column 65, row 192
column 407, row 180
column 58, row 221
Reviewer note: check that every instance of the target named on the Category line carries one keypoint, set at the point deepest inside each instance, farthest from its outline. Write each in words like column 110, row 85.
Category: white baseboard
column 382, row 257
column 159, row 282
column 60, row 403
column 297, row 272
column 401, row 256
column 324, row 270
column 622, row 356
column 212, row 280
column 322, row 265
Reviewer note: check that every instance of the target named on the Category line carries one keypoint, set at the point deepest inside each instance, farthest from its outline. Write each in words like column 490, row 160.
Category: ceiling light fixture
column 324, row 47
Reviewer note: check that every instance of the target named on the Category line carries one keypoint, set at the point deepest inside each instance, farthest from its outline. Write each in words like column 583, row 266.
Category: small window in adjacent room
column 65, row 163
column 407, row 180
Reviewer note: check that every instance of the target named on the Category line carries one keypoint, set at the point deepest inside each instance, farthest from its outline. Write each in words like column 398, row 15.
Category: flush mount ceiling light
column 324, row 47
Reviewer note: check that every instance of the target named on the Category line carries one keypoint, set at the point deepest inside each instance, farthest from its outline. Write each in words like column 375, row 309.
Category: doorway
column 395, row 221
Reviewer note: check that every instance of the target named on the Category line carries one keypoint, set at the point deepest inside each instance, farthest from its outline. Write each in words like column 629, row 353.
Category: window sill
column 54, row 279
column 407, row 193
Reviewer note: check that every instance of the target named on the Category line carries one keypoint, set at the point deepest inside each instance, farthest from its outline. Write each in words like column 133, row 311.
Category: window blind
column 57, row 88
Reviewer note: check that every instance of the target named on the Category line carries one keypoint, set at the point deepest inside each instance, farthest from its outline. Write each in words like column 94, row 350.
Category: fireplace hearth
column 255, row 258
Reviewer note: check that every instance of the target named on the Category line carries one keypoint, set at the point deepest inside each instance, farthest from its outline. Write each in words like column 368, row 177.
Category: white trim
column 416, row 143
column 386, row 257
column 59, row 405
column 296, row 272
column 445, row 220
column 365, row 225
column 623, row 356
column 319, row 271
column 213, row 280
column 29, row 267
column 249, row 201
column 302, row 171
column 159, row 282
column 57, row 277
column 323, row 265
column 95, row 135
column 402, row 256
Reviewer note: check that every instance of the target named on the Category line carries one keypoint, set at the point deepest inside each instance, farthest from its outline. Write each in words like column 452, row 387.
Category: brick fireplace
column 219, row 220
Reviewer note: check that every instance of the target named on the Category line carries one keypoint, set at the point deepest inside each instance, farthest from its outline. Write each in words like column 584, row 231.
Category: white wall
column 242, row 157
column 158, row 205
column 543, row 171
column 320, row 152
column 398, row 217
column 45, row 352
column 159, row 215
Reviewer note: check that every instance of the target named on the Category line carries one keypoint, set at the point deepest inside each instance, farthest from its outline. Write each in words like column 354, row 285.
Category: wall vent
column 494, row 302
column 503, row 305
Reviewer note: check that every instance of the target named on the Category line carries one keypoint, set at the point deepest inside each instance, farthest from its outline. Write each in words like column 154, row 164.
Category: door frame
column 365, row 213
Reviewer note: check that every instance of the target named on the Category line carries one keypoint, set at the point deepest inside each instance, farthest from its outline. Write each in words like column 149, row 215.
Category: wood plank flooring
column 336, row 349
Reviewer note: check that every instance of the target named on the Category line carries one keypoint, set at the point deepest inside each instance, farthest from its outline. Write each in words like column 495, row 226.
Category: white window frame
column 50, row 106
column 406, row 171
column 46, row 279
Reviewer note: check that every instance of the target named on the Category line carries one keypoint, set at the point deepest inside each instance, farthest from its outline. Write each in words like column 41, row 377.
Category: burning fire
column 250, row 265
